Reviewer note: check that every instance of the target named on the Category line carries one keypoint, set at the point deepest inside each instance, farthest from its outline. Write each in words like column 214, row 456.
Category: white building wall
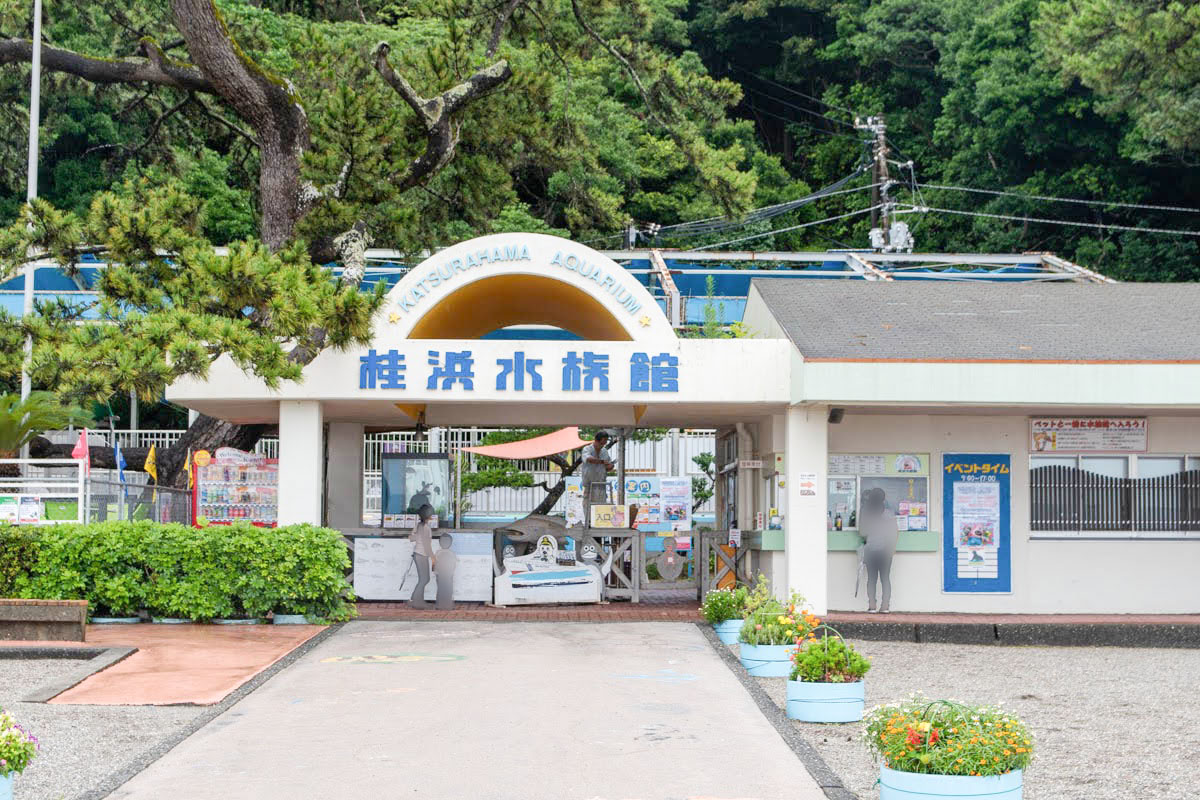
column 1048, row 576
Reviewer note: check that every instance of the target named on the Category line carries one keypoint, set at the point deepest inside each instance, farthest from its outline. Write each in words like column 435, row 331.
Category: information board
column 976, row 512
column 1088, row 434
column 384, row 569
column 664, row 504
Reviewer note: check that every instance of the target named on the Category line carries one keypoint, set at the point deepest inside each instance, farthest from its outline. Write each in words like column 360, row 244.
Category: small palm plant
column 23, row 420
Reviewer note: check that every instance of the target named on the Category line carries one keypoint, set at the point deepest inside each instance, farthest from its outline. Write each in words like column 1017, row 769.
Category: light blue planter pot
column 113, row 621
column 169, row 620
column 728, row 630
column 825, row 702
column 6, row 784
column 237, row 621
column 767, row 660
column 289, row 619
column 895, row 785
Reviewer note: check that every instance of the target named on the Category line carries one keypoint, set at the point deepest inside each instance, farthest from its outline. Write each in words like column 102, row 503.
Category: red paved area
column 179, row 664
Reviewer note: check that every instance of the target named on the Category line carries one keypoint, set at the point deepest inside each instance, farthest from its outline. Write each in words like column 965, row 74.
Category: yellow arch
column 485, row 305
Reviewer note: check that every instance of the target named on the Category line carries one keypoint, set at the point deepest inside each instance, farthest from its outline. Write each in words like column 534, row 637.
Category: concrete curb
column 101, row 659
column 116, row 779
column 1058, row 634
column 821, row 772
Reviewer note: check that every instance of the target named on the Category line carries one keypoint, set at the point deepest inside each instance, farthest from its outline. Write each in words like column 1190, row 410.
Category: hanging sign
column 976, row 513
column 1088, row 434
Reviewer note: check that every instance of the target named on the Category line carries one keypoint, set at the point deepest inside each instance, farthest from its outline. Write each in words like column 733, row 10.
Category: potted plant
column 723, row 608
column 769, row 635
column 17, row 748
column 942, row 748
column 827, row 680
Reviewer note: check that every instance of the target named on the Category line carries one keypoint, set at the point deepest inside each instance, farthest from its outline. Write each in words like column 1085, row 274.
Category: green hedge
column 221, row 571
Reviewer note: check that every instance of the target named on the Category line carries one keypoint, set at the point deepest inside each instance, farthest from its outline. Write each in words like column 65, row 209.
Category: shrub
column 178, row 571
column 18, row 549
column 17, row 745
column 828, row 659
column 775, row 623
column 942, row 737
column 722, row 605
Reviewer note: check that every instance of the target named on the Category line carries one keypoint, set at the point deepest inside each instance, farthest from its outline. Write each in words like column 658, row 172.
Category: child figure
column 443, row 567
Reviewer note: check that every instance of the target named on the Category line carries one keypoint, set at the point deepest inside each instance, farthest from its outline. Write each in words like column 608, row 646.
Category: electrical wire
column 1104, row 203
column 809, row 111
column 718, row 224
column 796, row 92
column 816, row 128
column 790, row 228
column 1101, row 226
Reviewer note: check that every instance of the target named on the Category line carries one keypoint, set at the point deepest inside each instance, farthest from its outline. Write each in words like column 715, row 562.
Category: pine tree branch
column 436, row 114
column 498, row 27
column 615, row 53
column 155, row 68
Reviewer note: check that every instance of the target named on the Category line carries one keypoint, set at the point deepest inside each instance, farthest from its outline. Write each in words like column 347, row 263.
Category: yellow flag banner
column 151, row 467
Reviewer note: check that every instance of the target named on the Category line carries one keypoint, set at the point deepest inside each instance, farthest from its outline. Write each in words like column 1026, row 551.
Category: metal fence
column 110, row 500
column 47, row 491
column 1072, row 500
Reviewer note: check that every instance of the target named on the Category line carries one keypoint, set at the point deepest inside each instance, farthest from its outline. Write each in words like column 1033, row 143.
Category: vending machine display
column 235, row 486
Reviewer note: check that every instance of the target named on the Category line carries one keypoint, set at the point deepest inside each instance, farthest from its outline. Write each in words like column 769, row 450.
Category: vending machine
column 234, row 486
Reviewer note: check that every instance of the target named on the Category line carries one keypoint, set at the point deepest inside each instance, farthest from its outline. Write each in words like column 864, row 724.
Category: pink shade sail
column 537, row 447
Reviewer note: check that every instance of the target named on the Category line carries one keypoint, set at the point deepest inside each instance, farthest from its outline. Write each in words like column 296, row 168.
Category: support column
column 344, row 476
column 301, row 461
column 806, row 462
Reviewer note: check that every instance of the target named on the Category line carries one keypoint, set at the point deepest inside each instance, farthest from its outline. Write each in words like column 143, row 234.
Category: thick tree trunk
column 206, row 433
column 554, row 492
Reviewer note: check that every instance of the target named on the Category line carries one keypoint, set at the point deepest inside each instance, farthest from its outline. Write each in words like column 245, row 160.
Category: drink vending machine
column 235, row 486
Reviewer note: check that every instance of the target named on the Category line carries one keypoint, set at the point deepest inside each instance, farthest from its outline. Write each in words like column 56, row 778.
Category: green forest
column 651, row 111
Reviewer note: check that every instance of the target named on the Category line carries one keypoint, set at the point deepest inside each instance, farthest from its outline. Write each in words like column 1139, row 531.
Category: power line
column 816, row 128
column 1061, row 199
column 785, row 230
column 793, row 91
column 816, row 114
column 1058, row 222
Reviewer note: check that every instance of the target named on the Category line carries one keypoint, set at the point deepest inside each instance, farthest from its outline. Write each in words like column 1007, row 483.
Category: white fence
column 668, row 456
column 48, row 491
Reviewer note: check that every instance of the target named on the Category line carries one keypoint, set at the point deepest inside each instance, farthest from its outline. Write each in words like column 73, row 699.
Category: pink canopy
column 537, row 447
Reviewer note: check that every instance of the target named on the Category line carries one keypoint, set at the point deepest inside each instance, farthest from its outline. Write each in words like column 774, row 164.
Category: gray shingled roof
column 975, row 321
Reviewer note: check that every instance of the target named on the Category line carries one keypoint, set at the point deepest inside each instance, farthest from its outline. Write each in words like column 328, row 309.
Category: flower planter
column 825, row 702
column 767, row 660
column 728, row 630
column 169, row 621
column 289, row 619
column 6, row 787
column 237, row 621
column 114, row 621
column 896, row 785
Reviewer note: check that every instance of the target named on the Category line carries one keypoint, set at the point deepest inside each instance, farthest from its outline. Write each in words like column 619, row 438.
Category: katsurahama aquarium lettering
column 446, row 271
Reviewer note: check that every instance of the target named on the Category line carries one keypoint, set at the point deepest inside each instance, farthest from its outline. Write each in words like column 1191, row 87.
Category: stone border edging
column 98, row 659
column 828, row 780
column 117, row 779
column 1010, row 634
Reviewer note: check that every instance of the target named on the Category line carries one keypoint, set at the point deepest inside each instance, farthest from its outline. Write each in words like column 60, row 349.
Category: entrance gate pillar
column 344, row 476
column 301, row 461
column 806, row 463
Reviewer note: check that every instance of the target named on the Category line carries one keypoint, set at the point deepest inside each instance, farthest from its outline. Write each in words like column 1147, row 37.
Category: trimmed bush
column 173, row 570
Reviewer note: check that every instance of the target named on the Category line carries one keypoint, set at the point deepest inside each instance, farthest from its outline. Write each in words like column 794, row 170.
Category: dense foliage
column 946, row 738
column 729, row 104
column 232, row 571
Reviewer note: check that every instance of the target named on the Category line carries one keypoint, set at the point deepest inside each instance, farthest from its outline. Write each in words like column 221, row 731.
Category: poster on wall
column 1087, row 434
column 664, row 504
column 878, row 463
column 976, row 509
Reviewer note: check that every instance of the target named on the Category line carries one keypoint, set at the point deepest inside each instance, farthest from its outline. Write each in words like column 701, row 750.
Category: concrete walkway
column 460, row 710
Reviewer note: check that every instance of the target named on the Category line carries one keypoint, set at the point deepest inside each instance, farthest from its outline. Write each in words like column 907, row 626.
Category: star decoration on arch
column 645, row 320
column 393, row 317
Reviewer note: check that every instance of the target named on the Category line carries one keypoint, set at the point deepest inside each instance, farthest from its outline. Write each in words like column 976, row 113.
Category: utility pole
column 35, row 102
column 881, row 218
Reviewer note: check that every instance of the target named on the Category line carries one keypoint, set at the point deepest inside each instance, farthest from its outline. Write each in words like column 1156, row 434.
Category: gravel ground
column 1110, row 723
column 81, row 745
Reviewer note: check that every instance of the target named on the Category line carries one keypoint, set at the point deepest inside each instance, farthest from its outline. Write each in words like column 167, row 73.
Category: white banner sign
column 1088, row 435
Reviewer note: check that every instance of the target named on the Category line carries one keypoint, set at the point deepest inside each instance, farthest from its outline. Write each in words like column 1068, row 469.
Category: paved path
column 460, row 710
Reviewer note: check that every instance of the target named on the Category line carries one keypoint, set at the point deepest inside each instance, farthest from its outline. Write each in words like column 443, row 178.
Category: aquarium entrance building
column 1038, row 443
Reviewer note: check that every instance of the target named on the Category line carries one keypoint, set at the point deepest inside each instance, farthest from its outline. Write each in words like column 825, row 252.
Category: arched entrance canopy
column 478, row 286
